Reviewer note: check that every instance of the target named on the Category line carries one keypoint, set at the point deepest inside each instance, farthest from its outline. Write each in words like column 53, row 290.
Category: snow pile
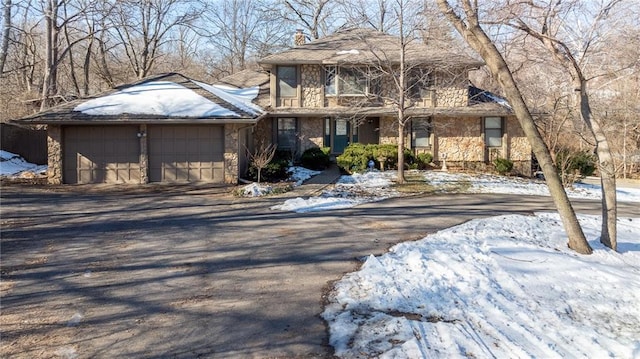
column 297, row 174
column 301, row 174
column 505, row 287
column 12, row 165
column 255, row 190
column 348, row 192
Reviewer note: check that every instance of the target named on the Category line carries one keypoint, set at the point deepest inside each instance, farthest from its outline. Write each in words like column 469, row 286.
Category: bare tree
column 262, row 157
column 313, row 15
column 378, row 14
column 240, row 31
column 6, row 32
column 541, row 23
column 144, row 27
column 465, row 18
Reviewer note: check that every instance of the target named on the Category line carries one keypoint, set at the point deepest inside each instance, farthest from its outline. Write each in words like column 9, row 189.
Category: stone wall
column 312, row 86
column 231, row 153
column 54, row 150
column 311, row 133
column 388, row 130
column 263, row 132
column 459, row 138
column 451, row 97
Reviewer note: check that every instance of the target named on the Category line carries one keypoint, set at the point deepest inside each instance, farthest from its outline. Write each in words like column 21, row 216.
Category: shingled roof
column 364, row 46
column 201, row 103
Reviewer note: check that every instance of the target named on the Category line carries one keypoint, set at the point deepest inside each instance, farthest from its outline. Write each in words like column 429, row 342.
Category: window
column 287, row 133
column 287, row 81
column 353, row 81
column 420, row 82
column 421, row 132
column 493, row 131
column 330, row 78
column 339, row 81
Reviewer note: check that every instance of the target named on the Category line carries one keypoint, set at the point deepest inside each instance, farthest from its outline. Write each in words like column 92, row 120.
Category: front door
column 340, row 135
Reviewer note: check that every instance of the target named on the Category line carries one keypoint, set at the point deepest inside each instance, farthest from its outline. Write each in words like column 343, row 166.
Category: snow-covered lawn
column 502, row 287
column 12, row 165
column 356, row 189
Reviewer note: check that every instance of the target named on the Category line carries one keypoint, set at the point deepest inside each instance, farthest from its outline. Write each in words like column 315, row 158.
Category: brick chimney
column 298, row 38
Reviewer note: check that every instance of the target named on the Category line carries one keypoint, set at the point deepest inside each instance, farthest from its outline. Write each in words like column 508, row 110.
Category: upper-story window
column 420, row 82
column 287, row 81
column 346, row 81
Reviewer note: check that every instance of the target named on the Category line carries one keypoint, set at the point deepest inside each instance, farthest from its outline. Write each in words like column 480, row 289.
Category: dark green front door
column 340, row 135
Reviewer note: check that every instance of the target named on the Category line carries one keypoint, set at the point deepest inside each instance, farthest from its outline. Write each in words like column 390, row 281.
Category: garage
column 186, row 153
column 101, row 154
column 166, row 128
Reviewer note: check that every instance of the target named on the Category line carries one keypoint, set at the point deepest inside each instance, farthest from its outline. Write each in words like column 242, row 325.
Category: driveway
column 192, row 272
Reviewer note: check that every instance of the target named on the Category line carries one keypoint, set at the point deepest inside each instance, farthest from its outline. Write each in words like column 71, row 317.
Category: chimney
column 298, row 38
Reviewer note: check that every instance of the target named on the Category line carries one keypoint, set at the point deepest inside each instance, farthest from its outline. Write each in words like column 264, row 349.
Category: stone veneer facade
column 460, row 138
column 54, row 153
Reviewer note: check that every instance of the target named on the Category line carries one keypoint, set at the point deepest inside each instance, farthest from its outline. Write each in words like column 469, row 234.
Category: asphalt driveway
column 192, row 272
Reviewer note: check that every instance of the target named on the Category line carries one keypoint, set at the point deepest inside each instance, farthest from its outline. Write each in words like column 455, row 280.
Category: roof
column 246, row 78
column 364, row 46
column 166, row 98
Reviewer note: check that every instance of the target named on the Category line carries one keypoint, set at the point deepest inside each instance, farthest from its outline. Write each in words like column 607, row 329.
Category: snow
column 373, row 186
column 348, row 192
column 12, row 165
column 505, row 287
column 348, row 52
column 255, row 190
column 239, row 97
column 166, row 98
column 500, row 287
column 301, row 174
column 297, row 174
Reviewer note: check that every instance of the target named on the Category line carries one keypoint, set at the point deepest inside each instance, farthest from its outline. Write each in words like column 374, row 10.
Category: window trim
column 485, row 130
column 280, row 80
column 415, row 81
column 429, row 131
column 294, row 134
column 334, row 79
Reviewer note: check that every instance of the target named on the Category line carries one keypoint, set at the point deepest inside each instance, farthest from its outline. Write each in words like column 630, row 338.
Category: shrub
column 423, row 160
column 503, row 165
column 277, row 170
column 574, row 165
column 357, row 156
column 315, row 158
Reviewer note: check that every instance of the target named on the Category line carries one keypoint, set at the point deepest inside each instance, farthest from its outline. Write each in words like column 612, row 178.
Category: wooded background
column 53, row 51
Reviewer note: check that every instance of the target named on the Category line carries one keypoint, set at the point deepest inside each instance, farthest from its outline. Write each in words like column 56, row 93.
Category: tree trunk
column 478, row 39
column 401, row 178
column 609, row 233
column 6, row 31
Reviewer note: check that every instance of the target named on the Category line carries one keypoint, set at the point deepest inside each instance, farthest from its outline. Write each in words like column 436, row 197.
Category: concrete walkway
column 319, row 182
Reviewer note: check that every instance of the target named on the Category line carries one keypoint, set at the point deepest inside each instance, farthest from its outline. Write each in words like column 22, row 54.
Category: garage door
column 101, row 154
column 186, row 153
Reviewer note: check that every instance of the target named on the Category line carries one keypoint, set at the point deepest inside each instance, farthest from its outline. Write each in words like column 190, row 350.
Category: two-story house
column 344, row 88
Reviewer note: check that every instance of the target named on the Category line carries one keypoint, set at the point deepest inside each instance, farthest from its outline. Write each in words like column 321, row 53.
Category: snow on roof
column 166, row 98
column 239, row 97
